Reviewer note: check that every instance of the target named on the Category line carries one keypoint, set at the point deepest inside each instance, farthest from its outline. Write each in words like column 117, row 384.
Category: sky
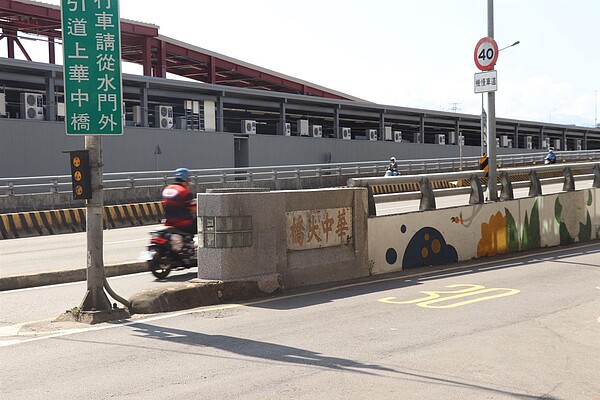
column 405, row 53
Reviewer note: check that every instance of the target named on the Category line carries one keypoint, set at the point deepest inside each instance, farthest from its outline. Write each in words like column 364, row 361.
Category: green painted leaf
column 585, row 231
column 565, row 237
column 534, row 227
column 512, row 232
column 557, row 210
column 590, row 199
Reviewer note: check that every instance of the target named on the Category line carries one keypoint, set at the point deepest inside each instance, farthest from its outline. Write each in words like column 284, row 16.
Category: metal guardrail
column 590, row 170
column 117, row 180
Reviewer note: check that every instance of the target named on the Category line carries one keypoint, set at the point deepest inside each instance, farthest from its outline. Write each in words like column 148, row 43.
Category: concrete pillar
column 144, row 103
column 51, row 107
column 336, row 123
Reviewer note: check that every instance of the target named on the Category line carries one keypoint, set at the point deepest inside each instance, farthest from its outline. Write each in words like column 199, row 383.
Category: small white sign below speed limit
column 486, row 54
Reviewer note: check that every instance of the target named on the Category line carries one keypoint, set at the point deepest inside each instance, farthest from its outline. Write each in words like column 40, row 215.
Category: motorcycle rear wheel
column 159, row 266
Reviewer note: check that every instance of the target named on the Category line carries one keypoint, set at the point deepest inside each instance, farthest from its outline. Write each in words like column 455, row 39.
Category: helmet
column 182, row 173
column 393, row 159
column 550, row 151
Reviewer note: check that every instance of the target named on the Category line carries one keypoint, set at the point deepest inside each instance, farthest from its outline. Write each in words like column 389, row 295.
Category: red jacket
column 179, row 206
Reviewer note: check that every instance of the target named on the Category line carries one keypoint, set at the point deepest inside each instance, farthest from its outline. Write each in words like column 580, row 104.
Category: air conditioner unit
column 557, row 145
column 316, row 131
column 137, row 115
column 387, row 133
column 578, row 146
column 346, row 133
column 452, row 139
column 302, row 127
column 528, row 142
column 440, row 138
column 397, row 136
column 285, row 129
column 509, row 144
column 503, row 141
column 2, row 104
column 248, row 126
column 416, row 138
column 60, row 111
column 371, row 134
column 497, row 142
column 32, row 106
column 164, row 117
column 546, row 143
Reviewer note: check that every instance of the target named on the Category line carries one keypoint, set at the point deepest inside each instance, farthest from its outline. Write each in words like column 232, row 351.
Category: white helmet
column 393, row 159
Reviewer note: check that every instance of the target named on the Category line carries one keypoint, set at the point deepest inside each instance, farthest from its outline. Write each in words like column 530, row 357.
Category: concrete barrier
column 51, row 222
column 450, row 235
column 296, row 238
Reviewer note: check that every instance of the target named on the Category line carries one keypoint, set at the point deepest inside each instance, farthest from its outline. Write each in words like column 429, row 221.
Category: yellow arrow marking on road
column 434, row 297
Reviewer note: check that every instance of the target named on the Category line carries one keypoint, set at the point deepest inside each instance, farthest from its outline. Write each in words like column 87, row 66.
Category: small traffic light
column 81, row 174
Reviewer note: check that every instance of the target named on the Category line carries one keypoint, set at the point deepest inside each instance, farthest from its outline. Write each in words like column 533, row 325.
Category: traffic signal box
column 81, row 174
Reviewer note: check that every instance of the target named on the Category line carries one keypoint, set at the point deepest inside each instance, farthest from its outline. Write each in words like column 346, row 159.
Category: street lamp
column 514, row 44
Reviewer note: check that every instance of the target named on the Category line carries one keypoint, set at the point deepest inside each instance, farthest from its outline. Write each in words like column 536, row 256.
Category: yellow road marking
column 434, row 297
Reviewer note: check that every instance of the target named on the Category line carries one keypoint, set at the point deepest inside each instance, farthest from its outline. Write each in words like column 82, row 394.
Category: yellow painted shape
column 508, row 292
column 434, row 297
column 434, row 294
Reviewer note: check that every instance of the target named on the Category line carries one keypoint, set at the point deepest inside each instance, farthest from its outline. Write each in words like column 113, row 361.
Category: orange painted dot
column 424, row 252
column 436, row 246
column 426, row 236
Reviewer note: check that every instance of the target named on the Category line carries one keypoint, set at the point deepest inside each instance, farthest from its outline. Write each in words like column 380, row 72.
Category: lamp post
column 491, row 125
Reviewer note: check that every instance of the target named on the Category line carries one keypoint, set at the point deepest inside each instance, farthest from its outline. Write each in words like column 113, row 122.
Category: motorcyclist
column 392, row 169
column 179, row 203
column 550, row 157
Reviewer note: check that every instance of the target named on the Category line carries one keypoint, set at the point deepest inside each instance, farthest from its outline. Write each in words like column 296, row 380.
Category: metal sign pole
column 491, row 126
column 95, row 298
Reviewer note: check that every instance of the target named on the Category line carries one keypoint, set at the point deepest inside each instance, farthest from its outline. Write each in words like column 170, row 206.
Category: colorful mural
column 451, row 235
column 570, row 218
column 501, row 234
column 428, row 247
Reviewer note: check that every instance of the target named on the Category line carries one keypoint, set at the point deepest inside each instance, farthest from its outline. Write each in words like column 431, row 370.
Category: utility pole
column 95, row 298
column 491, row 125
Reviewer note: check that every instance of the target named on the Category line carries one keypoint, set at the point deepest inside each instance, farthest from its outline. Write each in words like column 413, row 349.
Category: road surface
column 525, row 327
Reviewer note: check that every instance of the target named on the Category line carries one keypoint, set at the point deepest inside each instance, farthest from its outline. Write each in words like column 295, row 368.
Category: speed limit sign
column 486, row 54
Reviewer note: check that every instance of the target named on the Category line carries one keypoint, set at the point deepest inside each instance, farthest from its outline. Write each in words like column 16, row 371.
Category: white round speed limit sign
column 486, row 54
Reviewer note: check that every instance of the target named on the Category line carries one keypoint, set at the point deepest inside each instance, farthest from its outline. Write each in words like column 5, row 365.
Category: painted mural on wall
column 500, row 235
column 426, row 247
column 573, row 218
column 450, row 235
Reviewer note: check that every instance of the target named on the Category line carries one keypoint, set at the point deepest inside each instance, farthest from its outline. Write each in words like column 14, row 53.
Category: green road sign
column 92, row 67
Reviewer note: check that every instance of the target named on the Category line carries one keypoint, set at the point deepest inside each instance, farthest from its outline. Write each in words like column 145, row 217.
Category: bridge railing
column 115, row 180
column 471, row 182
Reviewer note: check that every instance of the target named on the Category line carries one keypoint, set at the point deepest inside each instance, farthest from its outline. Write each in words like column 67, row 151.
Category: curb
column 66, row 276
column 201, row 292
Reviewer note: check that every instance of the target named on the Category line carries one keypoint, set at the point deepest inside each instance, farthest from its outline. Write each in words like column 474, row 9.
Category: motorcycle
column 391, row 173
column 170, row 249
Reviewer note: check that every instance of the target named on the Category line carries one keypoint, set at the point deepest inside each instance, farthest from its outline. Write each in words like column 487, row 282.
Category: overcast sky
column 403, row 52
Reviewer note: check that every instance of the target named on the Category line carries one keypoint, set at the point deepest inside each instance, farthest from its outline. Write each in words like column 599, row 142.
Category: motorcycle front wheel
column 159, row 266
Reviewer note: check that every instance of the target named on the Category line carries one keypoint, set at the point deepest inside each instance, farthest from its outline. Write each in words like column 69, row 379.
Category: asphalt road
column 525, row 327
column 68, row 251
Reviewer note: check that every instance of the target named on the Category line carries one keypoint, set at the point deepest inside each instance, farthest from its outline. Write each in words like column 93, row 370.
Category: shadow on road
column 418, row 276
column 253, row 348
column 294, row 355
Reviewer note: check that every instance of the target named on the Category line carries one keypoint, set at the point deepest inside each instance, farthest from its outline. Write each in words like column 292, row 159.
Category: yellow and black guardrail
column 388, row 188
column 51, row 222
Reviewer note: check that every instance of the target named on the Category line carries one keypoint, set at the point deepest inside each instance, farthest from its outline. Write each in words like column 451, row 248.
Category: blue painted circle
column 391, row 256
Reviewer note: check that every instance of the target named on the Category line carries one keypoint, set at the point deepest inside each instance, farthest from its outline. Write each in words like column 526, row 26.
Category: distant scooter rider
column 550, row 157
column 179, row 203
column 392, row 169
